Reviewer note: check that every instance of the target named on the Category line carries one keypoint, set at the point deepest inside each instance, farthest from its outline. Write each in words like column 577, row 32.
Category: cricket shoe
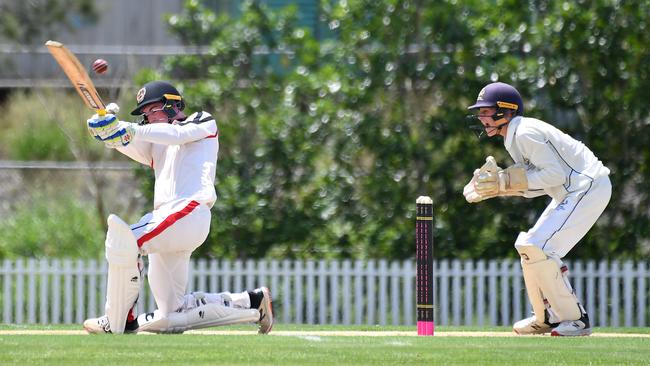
column 532, row 326
column 261, row 298
column 102, row 326
column 573, row 328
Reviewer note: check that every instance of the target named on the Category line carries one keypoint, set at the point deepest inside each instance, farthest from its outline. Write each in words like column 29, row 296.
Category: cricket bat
column 77, row 75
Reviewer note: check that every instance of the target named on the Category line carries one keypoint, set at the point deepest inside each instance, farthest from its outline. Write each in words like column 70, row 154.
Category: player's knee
column 529, row 252
column 121, row 244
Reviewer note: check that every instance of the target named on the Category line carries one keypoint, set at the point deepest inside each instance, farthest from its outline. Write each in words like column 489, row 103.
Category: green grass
column 196, row 349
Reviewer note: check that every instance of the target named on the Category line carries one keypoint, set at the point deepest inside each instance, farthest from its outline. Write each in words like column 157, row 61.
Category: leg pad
column 544, row 280
column 124, row 277
column 204, row 316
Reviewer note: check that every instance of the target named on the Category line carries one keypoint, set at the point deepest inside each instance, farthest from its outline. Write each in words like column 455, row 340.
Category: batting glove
column 102, row 127
column 122, row 136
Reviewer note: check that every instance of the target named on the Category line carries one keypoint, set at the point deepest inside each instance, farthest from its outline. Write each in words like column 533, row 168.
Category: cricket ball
column 100, row 66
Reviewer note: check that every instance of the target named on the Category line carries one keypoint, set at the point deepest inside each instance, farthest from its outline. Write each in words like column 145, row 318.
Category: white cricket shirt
column 555, row 162
column 183, row 156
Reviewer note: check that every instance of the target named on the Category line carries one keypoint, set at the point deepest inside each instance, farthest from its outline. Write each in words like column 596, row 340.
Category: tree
column 22, row 22
column 326, row 145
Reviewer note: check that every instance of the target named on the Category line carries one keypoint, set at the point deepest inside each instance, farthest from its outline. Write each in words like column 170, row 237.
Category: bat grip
column 101, row 112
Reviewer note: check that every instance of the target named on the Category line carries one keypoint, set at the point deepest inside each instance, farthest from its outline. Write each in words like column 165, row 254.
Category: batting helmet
column 499, row 95
column 158, row 91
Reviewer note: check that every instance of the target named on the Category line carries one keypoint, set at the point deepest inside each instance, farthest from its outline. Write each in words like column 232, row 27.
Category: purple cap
column 499, row 95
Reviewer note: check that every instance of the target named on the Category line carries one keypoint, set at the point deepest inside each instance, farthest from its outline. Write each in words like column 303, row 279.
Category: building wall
column 129, row 34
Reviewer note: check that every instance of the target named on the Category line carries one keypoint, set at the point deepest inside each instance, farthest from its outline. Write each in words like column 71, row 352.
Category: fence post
column 590, row 294
column 455, row 291
column 505, row 292
column 249, row 276
column 641, row 305
column 44, row 293
column 92, row 289
column 602, row 294
column 322, row 292
column 213, row 285
column 395, row 296
column 298, row 277
column 80, row 298
column 480, row 292
column 409, row 297
column 286, row 294
column 334, row 277
column 383, row 296
column 358, row 292
column 31, row 291
column 19, row 304
column 311, row 293
column 468, row 273
column 371, row 303
column 443, row 297
column 615, row 300
column 517, row 278
column 347, row 293
column 628, row 298
column 6, row 297
column 275, row 273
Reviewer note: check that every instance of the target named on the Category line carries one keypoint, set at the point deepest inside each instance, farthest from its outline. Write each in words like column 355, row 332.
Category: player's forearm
column 138, row 151
column 167, row 134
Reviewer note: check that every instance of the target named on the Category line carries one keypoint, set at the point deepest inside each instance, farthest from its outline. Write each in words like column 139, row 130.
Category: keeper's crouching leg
column 124, row 273
column 204, row 316
column 548, row 290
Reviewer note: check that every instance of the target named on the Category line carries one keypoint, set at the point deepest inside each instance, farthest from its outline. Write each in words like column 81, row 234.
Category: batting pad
column 543, row 275
column 123, row 273
column 204, row 316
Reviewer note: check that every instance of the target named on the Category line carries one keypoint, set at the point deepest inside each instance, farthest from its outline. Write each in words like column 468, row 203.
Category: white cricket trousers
column 563, row 224
column 169, row 235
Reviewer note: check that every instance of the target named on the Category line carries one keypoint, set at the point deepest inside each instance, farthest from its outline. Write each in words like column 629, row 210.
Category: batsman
column 182, row 151
column 547, row 162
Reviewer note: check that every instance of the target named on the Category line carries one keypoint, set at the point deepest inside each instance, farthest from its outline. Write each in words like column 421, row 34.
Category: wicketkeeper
column 547, row 162
column 182, row 150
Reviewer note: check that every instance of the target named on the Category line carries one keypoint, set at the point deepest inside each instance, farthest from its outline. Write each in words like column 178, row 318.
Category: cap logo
column 140, row 96
column 480, row 94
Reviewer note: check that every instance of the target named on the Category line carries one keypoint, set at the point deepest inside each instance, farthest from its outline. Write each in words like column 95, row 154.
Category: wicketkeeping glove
column 492, row 180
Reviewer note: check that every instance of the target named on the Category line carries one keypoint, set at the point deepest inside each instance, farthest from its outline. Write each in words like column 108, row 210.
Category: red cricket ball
column 100, row 66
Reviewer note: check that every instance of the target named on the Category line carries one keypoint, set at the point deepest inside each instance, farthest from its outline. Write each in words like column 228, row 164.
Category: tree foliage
column 325, row 144
column 23, row 22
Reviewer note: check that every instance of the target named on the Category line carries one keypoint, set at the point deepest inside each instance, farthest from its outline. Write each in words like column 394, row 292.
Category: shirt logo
column 561, row 207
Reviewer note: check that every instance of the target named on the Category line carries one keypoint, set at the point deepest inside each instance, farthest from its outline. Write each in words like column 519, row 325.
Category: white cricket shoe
column 266, row 311
column 573, row 328
column 97, row 325
column 532, row 326
column 102, row 326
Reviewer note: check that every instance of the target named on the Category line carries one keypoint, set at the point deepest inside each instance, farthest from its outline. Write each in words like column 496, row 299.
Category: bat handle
column 101, row 112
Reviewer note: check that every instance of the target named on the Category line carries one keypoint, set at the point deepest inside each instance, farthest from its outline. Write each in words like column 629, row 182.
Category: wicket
column 424, row 264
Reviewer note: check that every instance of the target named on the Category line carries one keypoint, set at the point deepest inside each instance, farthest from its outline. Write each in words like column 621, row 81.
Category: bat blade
column 77, row 75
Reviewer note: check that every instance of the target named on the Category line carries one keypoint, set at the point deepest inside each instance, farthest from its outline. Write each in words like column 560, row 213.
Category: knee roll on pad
column 529, row 252
column 121, row 245
column 124, row 275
